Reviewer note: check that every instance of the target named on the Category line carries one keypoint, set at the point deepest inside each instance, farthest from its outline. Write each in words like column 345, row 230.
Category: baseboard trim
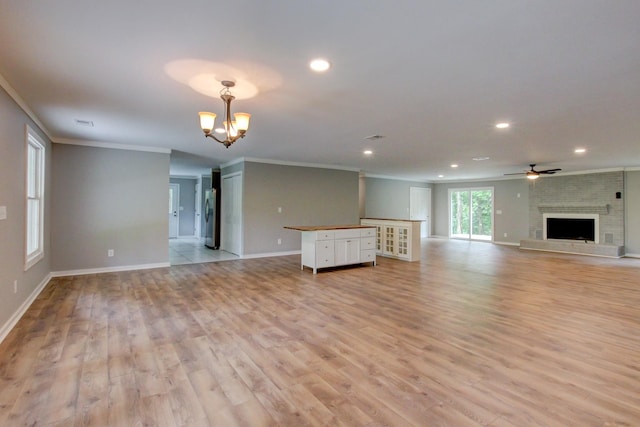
column 13, row 320
column 271, row 254
column 108, row 269
column 507, row 243
column 632, row 255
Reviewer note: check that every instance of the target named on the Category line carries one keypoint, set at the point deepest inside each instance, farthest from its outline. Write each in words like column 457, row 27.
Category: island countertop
column 324, row 227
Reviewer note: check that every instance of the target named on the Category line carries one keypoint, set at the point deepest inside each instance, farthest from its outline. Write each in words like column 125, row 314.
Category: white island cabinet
column 331, row 246
column 396, row 238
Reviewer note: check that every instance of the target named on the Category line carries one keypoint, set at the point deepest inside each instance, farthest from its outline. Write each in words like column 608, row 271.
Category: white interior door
column 231, row 230
column 174, row 212
column 419, row 208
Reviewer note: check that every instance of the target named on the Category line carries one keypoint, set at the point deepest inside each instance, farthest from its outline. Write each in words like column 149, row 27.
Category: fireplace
column 569, row 226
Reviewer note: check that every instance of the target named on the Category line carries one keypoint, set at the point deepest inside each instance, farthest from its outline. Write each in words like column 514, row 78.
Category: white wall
column 389, row 198
column 12, row 229
column 307, row 196
column 109, row 199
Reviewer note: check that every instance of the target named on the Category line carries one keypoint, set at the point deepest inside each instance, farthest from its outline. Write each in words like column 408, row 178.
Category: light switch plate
column 3, row 212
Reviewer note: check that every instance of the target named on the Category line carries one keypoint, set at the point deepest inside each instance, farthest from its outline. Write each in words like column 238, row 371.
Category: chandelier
column 233, row 129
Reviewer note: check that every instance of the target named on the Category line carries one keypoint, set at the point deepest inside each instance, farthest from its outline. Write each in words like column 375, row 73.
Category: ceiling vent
column 86, row 123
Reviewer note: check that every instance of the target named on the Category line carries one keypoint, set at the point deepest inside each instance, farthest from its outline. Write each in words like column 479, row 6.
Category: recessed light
column 580, row 150
column 454, row 165
column 368, row 152
column 480, row 159
column 440, row 176
column 502, row 125
column 319, row 65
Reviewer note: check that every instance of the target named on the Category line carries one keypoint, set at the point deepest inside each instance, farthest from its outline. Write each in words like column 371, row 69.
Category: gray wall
column 631, row 196
column 187, row 205
column 514, row 219
column 12, row 195
column 580, row 190
column 389, row 198
column 109, row 199
column 307, row 195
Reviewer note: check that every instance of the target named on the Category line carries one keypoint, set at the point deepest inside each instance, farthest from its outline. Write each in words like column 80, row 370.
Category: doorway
column 231, row 230
column 174, row 212
column 471, row 213
column 420, row 208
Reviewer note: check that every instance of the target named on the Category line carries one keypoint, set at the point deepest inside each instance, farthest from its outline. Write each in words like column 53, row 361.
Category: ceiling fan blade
column 550, row 171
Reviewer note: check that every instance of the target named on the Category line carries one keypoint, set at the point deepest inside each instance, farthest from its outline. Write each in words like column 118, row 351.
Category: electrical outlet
column 279, row 241
column 505, row 234
column 110, row 252
column 15, row 286
column 279, row 209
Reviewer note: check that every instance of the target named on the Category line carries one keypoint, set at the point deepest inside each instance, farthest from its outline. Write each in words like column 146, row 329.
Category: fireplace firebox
column 581, row 227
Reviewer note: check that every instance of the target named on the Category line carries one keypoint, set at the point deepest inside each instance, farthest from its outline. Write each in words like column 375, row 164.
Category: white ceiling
column 433, row 77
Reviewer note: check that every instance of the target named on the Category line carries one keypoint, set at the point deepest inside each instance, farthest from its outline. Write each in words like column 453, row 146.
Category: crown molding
column 395, row 178
column 23, row 105
column 556, row 175
column 287, row 163
column 111, row 145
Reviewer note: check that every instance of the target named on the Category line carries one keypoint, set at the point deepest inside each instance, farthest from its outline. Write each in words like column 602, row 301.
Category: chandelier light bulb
column 207, row 121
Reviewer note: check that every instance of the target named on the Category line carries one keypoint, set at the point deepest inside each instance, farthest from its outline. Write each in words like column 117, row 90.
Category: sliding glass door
column 471, row 214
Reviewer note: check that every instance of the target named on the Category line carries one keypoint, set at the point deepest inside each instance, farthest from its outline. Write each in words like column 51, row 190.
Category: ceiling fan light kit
column 534, row 174
column 233, row 129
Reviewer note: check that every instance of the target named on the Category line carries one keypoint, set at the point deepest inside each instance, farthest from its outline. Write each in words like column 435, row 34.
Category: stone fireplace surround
column 587, row 194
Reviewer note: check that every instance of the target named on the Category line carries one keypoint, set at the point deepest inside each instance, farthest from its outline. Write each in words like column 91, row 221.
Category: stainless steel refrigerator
column 210, row 218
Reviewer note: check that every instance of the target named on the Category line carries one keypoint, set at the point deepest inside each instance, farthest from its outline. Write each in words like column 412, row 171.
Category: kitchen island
column 335, row 245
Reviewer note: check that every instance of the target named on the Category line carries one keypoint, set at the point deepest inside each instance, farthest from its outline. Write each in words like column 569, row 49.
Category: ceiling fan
column 534, row 174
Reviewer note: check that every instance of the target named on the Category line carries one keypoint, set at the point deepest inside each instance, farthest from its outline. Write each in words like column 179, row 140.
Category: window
column 471, row 214
column 34, row 244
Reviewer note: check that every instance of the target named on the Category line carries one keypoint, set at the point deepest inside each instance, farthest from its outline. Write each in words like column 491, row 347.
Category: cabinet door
column 325, row 254
column 402, row 234
column 389, row 240
column 379, row 239
column 347, row 251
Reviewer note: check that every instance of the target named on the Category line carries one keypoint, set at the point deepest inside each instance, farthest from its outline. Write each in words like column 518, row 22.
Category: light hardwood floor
column 473, row 334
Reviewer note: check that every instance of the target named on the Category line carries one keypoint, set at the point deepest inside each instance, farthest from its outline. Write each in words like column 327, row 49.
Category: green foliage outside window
column 471, row 212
